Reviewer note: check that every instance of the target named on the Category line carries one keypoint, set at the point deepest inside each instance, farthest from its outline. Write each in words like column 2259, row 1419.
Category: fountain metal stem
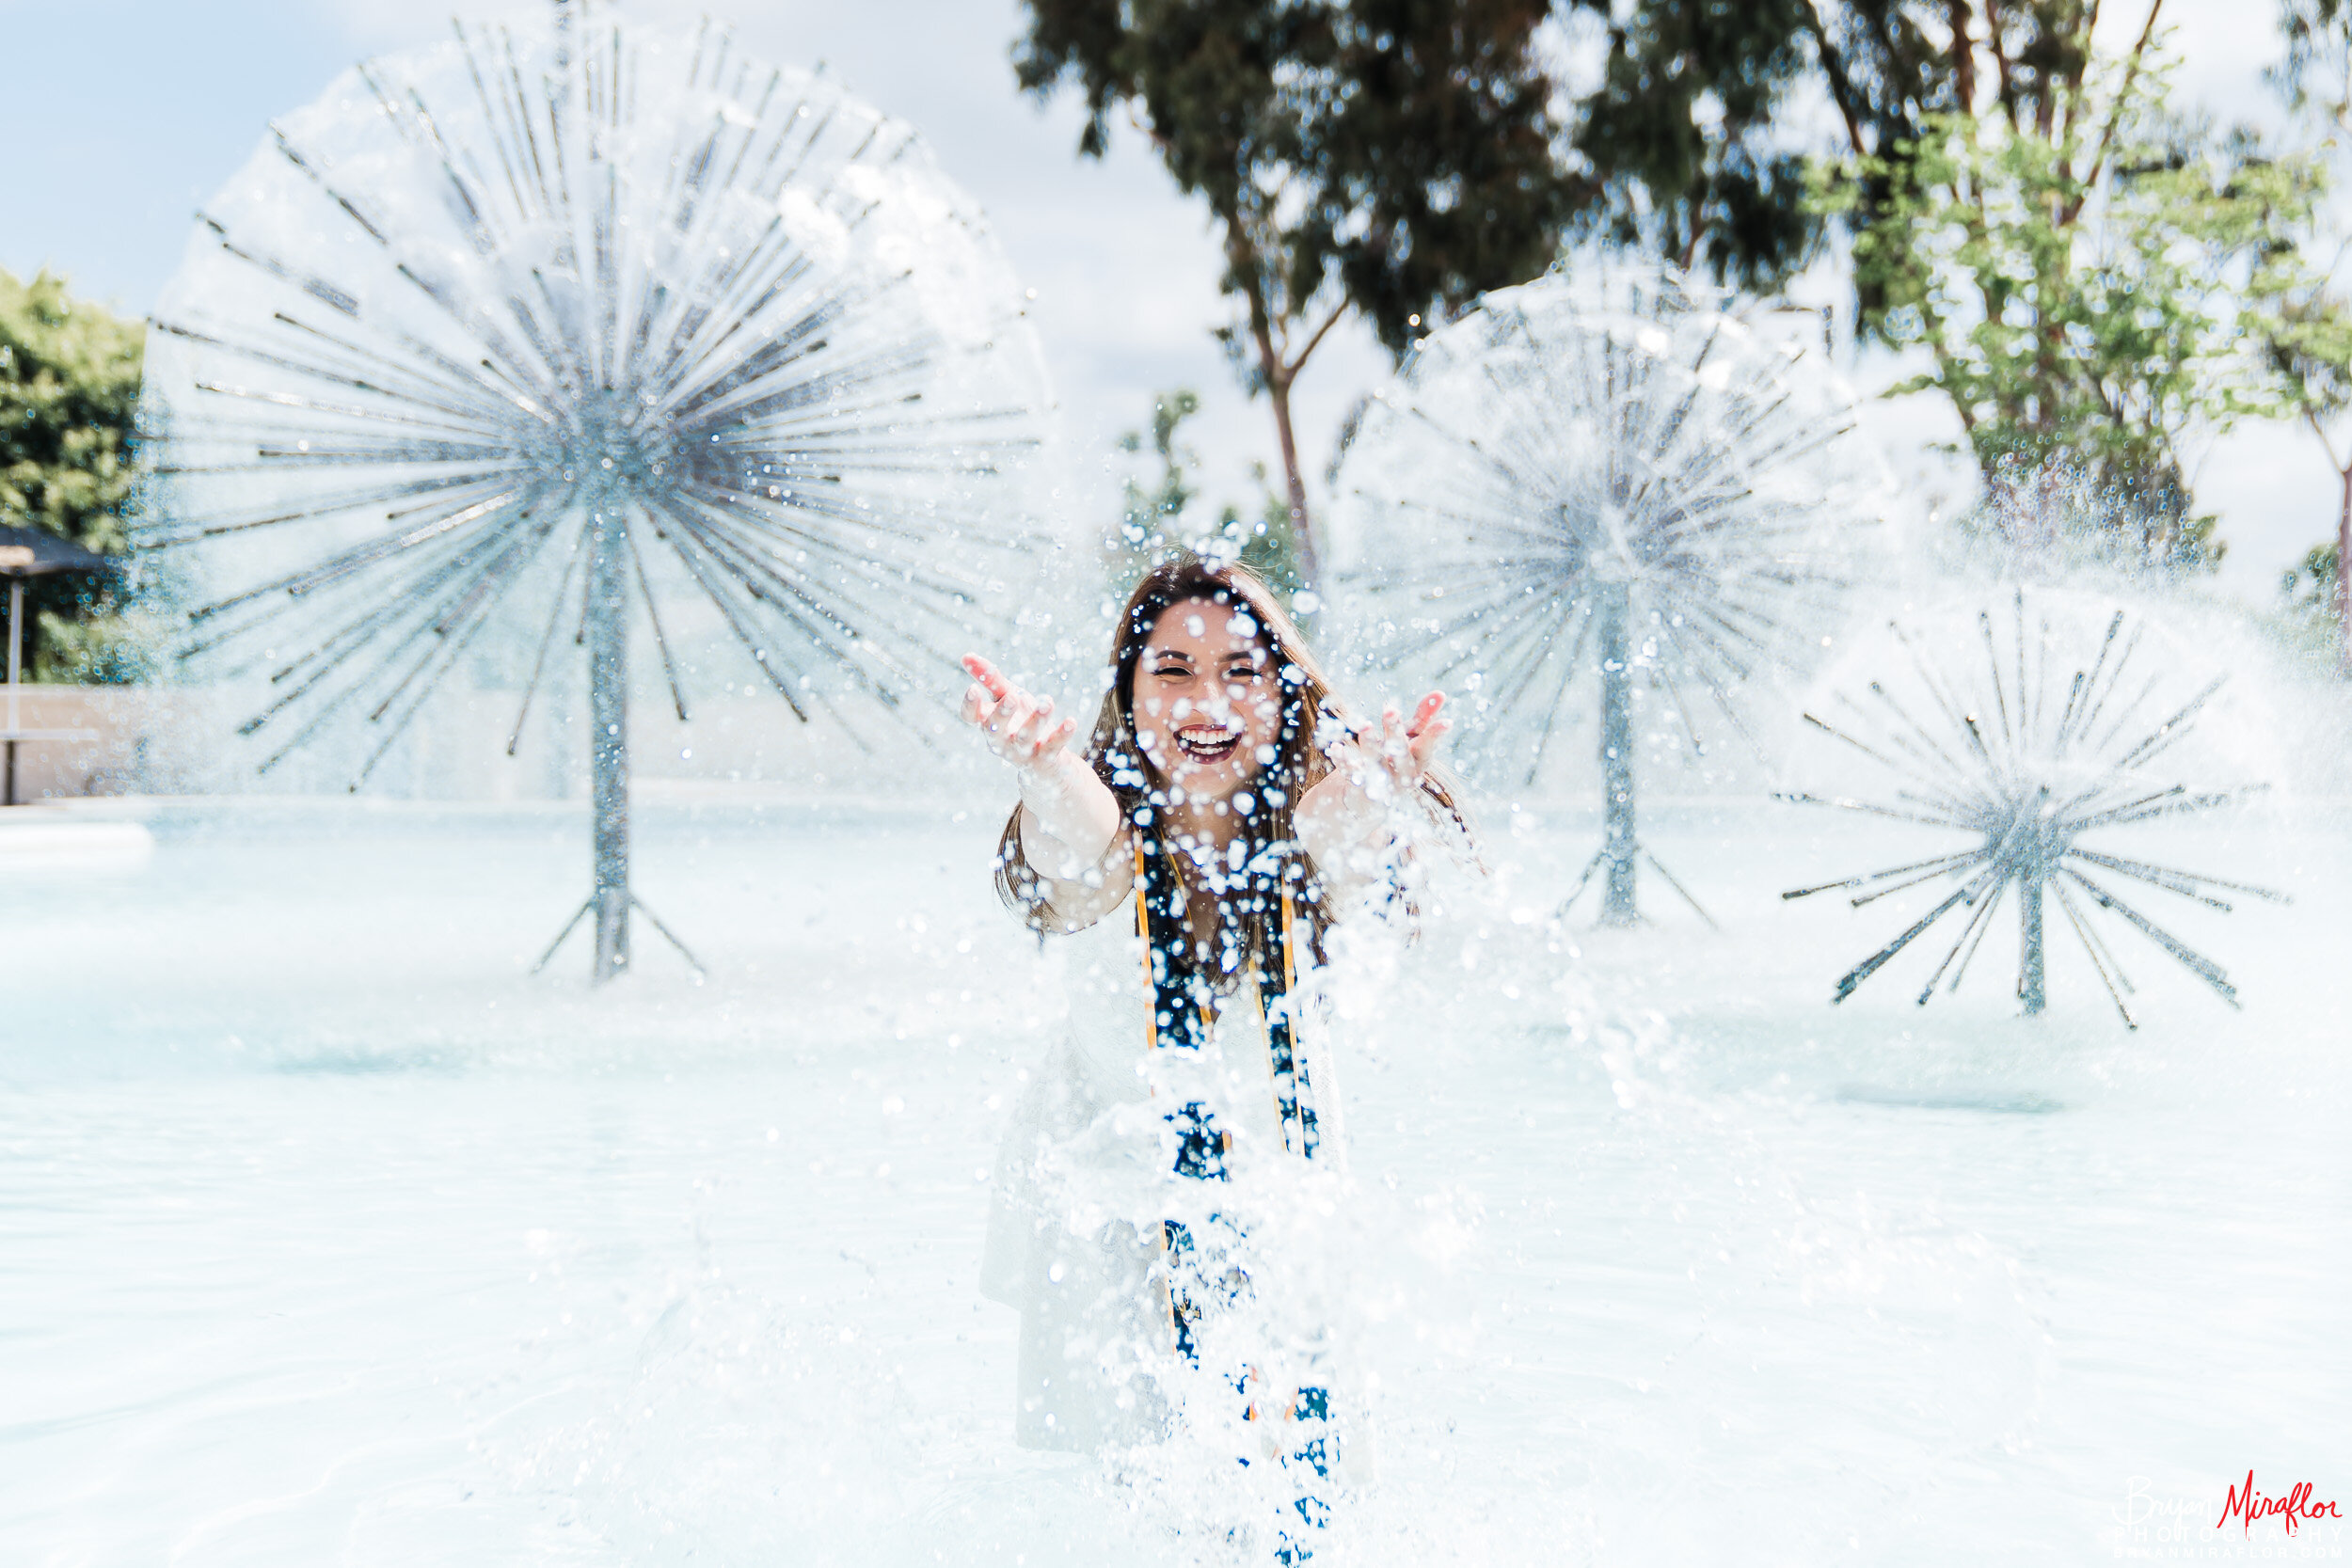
column 607, row 633
column 2030, row 987
column 1619, row 845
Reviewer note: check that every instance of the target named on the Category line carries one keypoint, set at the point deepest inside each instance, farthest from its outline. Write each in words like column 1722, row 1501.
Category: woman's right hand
column 1017, row 727
column 1069, row 818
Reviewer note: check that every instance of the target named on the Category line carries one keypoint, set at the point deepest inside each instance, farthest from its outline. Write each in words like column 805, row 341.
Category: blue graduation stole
column 1182, row 1014
column 1182, row 1019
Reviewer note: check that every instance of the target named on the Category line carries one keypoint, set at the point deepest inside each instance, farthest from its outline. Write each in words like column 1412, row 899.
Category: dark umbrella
column 29, row 553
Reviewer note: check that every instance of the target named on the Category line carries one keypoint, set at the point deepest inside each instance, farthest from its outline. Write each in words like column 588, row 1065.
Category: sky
column 123, row 115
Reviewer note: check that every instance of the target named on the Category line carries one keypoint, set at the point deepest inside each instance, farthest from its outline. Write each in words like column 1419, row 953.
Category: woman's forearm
column 1345, row 830
column 1067, row 817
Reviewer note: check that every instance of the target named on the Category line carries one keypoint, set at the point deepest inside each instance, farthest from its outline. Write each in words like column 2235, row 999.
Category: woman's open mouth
column 1207, row 744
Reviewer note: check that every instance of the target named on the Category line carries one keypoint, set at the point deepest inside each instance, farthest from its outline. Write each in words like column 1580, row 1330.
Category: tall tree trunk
column 1618, row 840
column 1278, row 393
column 2343, row 578
column 1964, row 58
column 1242, row 258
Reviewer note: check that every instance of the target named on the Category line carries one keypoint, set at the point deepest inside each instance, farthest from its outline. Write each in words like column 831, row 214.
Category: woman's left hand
column 1402, row 749
column 1347, row 814
column 1407, row 748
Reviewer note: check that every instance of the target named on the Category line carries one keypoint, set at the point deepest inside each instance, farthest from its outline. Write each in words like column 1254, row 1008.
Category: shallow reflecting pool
column 329, row 1234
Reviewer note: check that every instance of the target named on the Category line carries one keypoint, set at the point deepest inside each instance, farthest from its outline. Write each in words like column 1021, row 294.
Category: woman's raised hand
column 1344, row 819
column 1017, row 727
column 1069, row 818
column 1407, row 748
column 1402, row 749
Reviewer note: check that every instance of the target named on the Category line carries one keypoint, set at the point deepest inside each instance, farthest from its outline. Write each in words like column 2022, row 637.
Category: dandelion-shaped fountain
column 1619, row 481
column 2025, row 738
column 568, row 328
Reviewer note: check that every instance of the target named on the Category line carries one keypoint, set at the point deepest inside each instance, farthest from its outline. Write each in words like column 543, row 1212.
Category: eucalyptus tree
column 1388, row 158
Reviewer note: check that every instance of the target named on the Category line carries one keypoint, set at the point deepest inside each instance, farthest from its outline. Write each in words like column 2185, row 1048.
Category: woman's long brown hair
column 1301, row 762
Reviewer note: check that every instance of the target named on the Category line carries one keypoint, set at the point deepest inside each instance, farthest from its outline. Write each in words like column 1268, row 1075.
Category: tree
column 2307, row 329
column 1152, row 525
column 2308, row 338
column 68, row 402
column 1151, row 520
column 1682, row 149
column 1694, row 143
column 2310, row 588
column 2076, row 263
column 1393, row 157
column 2020, row 204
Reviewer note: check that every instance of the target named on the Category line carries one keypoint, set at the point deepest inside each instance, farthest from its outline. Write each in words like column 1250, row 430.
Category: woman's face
column 1208, row 704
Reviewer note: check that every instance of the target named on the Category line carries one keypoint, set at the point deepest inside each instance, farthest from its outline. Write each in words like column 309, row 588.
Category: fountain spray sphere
column 585, row 333
column 2023, row 732
column 1617, row 482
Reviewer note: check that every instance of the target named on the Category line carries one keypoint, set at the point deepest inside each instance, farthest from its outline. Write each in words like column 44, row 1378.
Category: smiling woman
column 1227, row 798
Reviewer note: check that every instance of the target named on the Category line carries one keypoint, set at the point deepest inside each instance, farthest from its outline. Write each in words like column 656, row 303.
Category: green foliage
column 2310, row 588
column 2303, row 321
column 100, row 641
column 1680, row 141
column 2316, row 72
column 68, row 402
column 1151, row 520
column 1697, row 138
column 1390, row 156
column 2079, row 271
column 2304, row 331
column 1892, row 69
column 1695, row 145
column 1152, row 524
column 1267, row 545
column 2303, row 623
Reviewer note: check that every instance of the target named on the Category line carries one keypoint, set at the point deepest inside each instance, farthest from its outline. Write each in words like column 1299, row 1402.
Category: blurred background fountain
column 567, row 332
column 1610, row 488
column 2024, row 739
